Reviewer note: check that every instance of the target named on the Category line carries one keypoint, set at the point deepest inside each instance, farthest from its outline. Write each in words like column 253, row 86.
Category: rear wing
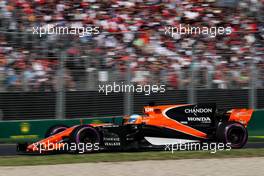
column 242, row 116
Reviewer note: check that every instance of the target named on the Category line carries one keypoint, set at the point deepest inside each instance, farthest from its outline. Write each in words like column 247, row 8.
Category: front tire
column 87, row 137
column 55, row 129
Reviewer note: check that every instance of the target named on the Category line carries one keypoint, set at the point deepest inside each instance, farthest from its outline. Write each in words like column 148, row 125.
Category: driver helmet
column 133, row 118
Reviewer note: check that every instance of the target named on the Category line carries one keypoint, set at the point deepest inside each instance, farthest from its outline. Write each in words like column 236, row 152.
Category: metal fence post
column 252, row 88
column 128, row 96
column 191, row 92
column 88, row 71
column 60, row 97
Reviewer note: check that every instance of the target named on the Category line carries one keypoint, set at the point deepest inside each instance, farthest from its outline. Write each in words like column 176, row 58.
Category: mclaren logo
column 196, row 110
column 199, row 119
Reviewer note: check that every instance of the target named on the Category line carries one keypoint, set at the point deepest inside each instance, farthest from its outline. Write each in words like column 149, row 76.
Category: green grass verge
column 118, row 157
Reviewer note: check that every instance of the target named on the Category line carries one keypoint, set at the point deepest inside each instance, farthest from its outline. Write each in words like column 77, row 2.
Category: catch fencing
column 67, row 73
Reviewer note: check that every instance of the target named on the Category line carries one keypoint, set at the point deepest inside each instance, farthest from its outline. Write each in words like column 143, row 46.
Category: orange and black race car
column 159, row 126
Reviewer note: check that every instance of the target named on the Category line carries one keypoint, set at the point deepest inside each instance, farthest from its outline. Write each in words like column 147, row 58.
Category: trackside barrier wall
column 256, row 125
column 33, row 130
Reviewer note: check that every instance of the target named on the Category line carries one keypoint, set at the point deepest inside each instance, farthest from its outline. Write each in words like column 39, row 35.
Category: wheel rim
column 87, row 135
column 236, row 136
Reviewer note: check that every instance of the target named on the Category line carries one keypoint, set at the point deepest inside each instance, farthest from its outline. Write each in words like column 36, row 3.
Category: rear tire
column 233, row 133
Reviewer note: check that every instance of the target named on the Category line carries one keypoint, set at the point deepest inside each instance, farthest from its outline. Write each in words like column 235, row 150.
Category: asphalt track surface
column 186, row 167
column 10, row 149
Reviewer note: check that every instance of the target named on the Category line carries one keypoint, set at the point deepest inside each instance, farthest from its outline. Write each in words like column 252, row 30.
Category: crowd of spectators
column 132, row 34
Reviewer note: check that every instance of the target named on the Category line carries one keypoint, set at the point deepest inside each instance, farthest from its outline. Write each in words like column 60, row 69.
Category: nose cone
column 32, row 148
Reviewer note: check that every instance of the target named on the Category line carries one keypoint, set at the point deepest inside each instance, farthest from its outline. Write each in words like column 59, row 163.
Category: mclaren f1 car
column 158, row 126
